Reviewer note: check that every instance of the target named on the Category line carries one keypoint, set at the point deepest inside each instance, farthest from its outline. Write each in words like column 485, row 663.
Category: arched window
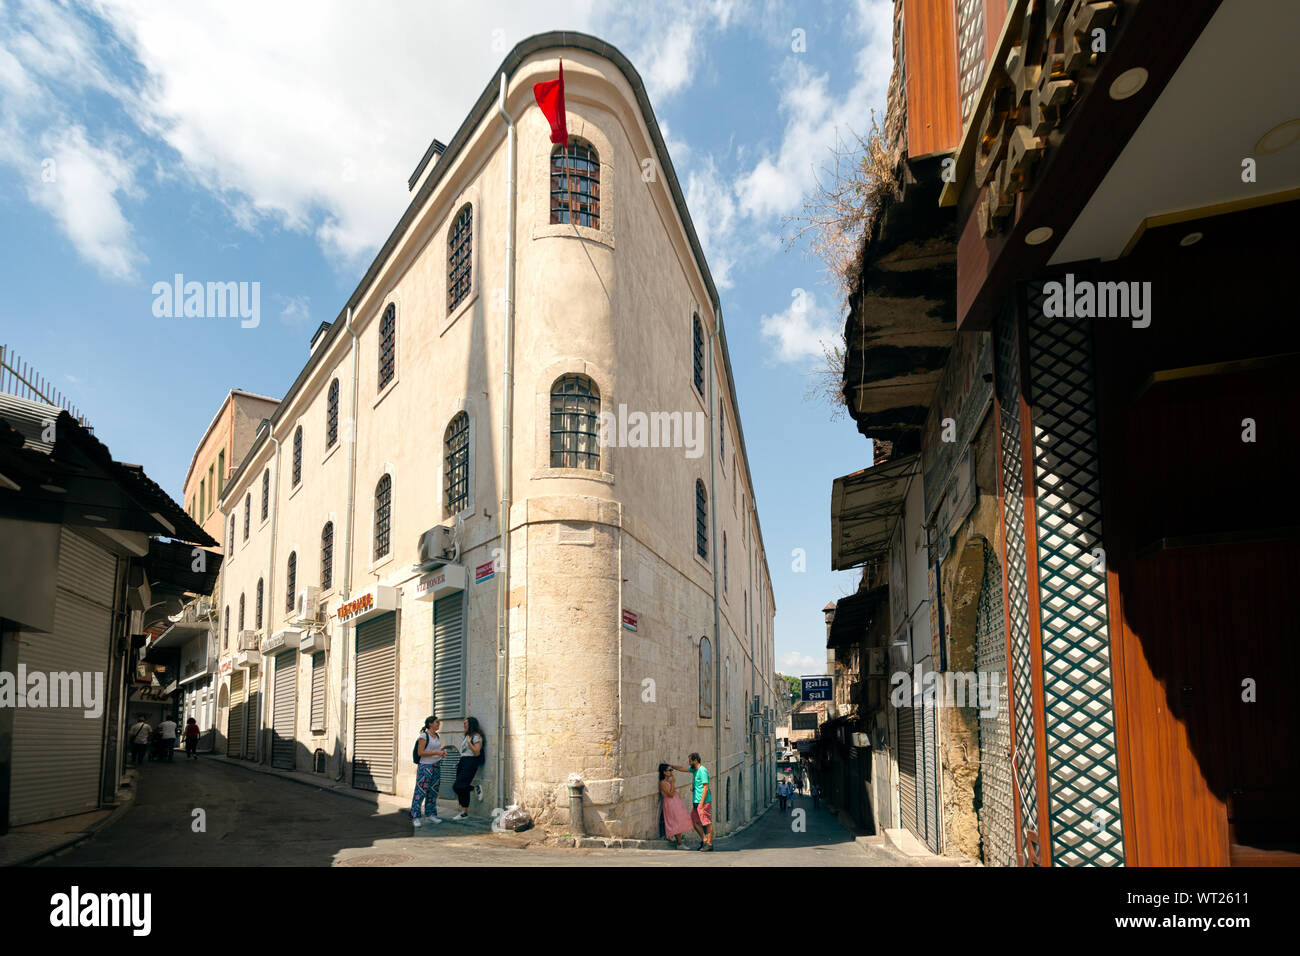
column 575, row 409
column 724, row 561
column 232, row 532
column 332, row 414
column 241, row 612
column 297, row 455
column 248, row 512
column 460, row 248
column 698, row 354
column 701, row 520
column 258, row 618
column 327, row 556
column 706, row 678
column 266, row 493
column 455, row 445
column 291, row 580
column 575, row 184
column 383, row 514
column 225, row 641
column 727, row 801
column 387, row 346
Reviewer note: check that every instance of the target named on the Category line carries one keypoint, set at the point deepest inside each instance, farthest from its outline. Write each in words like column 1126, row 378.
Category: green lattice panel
column 1079, row 725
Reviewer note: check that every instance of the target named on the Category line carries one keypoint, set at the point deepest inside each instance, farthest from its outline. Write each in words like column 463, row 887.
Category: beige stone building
column 539, row 340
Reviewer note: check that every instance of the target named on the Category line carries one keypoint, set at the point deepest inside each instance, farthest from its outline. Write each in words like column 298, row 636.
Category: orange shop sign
column 371, row 603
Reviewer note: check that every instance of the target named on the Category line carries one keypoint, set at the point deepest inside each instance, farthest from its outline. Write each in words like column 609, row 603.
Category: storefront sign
column 149, row 695
column 281, row 641
column 484, row 572
column 195, row 662
column 806, row 721
column 225, row 666
column 378, row 600
column 629, row 619
column 817, row 688
column 448, row 579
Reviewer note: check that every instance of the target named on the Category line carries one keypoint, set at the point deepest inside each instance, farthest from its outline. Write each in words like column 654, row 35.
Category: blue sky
column 272, row 142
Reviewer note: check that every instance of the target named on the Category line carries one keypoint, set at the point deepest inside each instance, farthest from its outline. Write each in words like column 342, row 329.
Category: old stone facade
column 611, row 589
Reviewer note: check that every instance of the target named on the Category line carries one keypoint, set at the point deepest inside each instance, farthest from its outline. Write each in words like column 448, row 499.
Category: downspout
column 507, row 413
column 340, row 746
column 717, row 610
column 270, row 578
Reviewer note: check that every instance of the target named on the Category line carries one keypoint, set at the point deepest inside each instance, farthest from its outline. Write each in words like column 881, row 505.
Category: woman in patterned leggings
column 428, row 775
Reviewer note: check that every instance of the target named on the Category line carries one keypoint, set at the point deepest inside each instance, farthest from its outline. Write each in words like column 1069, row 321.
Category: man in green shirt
column 702, row 812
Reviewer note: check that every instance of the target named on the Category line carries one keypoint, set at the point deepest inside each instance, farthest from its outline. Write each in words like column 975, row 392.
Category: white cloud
column 801, row 331
column 296, row 310
column 796, row 664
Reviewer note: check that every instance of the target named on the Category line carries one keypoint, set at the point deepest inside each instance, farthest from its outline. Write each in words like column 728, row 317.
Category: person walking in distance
column 167, row 731
column 473, row 754
column 139, row 735
column 702, row 813
column 191, row 739
column 815, row 793
column 783, row 793
column 429, row 752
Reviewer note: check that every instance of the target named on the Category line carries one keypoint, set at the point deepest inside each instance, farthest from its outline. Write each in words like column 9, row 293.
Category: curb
column 125, row 801
column 624, row 843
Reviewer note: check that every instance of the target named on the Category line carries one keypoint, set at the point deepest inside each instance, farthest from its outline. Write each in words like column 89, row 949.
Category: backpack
column 415, row 749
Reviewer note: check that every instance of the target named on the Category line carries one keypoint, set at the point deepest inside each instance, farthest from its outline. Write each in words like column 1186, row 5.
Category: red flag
column 550, row 97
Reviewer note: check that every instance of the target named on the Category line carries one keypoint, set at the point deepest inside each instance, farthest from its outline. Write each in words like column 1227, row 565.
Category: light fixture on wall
column 1191, row 239
column 1279, row 137
column 1036, row 237
column 1128, row 83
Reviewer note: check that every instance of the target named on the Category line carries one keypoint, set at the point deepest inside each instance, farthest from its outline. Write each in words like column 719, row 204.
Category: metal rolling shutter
column 931, row 782
column 907, row 768
column 318, row 691
column 373, row 724
column 997, row 816
column 235, row 724
column 57, row 751
column 252, row 713
column 449, row 657
column 285, row 700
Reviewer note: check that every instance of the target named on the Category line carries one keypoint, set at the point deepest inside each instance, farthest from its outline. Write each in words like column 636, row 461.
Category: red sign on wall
column 629, row 619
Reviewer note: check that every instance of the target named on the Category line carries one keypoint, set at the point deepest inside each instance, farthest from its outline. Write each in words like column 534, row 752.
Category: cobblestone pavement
column 261, row 819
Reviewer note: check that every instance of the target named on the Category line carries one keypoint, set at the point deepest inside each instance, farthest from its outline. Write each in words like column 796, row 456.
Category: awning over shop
column 854, row 614
column 178, row 635
column 865, row 507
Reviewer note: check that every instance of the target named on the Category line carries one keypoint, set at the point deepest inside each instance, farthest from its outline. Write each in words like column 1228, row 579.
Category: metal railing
column 20, row 379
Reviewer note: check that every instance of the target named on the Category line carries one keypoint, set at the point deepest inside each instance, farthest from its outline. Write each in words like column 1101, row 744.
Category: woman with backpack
column 473, row 754
column 428, row 753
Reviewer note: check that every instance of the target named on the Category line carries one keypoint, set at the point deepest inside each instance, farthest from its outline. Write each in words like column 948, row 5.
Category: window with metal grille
column 970, row 53
column 701, row 520
column 459, row 257
column 706, row 678
column 318, row 691
column 724, row 561
column 291, row 580
column 225, row 640
column 266, row 493
column 698, row 353
column 248, row 512
column 232, row 534
column 575, row 409
column 722, row 433
column 575, row 184
column 332, row 415
column 258, row 619
column 327, row 556
column 297, row 455
column 387, row 346
column 383, row 514
column 456, row 465
column 241, row 612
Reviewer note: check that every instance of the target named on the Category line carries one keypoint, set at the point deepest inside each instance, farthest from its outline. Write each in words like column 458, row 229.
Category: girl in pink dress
column 677, row 819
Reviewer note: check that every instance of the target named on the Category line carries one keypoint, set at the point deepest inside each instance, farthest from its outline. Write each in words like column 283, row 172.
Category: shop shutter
column 252, row 713
column 285, row 702
column 997, row 816
column 57, row 751
column 907, row 768
column 373, row 735
column 931, row 782
column 318, row 691
column 235, row 724
column 449, row 657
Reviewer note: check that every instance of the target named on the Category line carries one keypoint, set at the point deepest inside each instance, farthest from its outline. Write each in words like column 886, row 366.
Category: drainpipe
column 507, row 412
column 340, row 746
column 717, row 610
column 270, row 579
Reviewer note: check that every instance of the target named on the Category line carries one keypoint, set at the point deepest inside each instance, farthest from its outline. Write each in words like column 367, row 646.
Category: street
column 260, row 819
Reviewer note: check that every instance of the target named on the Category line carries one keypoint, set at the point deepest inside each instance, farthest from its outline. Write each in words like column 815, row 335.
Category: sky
column 271, row 142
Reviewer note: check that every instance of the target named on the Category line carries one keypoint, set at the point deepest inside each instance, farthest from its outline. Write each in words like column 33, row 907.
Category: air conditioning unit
column 438, row 546
column 756, row 705
column 307, row 607
column 202, row 609
column 248, row 640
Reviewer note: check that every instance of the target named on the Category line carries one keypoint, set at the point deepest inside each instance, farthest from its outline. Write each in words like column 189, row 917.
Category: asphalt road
column 258, row 819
